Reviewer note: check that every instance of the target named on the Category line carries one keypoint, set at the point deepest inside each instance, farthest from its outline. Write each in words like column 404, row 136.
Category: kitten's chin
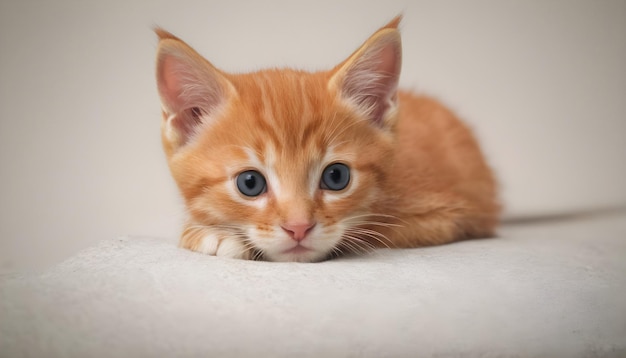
column 296, row 254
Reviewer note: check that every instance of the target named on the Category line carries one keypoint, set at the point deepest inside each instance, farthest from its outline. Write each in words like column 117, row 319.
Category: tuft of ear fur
column 191, row 89
column 368, row 79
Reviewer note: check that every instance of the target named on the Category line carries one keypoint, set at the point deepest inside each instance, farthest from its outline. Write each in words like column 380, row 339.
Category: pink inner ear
column 170, row 85
column 388, row 60
column 372, row 80
column 387, row 82
column 190, row 89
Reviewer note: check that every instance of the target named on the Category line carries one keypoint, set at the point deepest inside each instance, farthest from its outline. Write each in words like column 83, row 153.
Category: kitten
column 286, row 165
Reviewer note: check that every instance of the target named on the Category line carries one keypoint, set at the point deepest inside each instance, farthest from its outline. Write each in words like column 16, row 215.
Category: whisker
column 365, row 243
column 258, row 255
column 336, row 251
column 357, row 245
column 329, row 137
column 375, row 235
column 350, row 248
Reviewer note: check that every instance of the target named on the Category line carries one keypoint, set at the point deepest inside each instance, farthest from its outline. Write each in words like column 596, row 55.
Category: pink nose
column 298, row 230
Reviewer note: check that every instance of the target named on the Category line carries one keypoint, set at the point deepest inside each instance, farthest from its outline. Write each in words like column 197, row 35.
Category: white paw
column 216, row 244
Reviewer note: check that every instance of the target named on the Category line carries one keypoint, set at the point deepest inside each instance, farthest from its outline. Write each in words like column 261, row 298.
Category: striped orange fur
column 349, row 162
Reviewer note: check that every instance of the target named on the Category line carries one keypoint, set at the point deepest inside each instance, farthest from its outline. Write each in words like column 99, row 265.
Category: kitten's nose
column 298, row 230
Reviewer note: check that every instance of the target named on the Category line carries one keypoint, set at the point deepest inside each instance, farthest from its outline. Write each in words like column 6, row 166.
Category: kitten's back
column 439, row 170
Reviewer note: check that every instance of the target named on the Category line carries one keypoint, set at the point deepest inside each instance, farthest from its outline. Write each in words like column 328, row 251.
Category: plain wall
column 542, row 82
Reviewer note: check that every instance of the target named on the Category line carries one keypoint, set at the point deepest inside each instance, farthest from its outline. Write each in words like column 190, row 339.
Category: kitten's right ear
column 191, row 89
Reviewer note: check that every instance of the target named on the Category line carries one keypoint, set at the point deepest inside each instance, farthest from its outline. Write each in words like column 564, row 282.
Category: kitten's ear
column 191, row 89
column 368, row 79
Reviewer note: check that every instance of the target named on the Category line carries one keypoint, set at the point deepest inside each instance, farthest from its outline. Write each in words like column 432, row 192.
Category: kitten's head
column 289, row 162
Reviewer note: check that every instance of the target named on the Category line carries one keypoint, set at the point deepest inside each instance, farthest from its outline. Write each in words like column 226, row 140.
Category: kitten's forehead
column 285, row 110
column 285, row 95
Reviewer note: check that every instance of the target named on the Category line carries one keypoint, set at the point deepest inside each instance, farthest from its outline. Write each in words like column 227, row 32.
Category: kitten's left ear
column 368, row 79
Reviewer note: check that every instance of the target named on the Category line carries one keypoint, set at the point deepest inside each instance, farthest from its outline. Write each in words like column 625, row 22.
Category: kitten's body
column 416, row 174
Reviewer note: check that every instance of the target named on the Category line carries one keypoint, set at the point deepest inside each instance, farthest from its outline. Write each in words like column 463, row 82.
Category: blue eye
column 335, row 177
column 251, row 183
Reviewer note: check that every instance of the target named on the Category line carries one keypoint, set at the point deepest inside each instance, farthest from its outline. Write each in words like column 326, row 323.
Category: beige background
column 542, row 82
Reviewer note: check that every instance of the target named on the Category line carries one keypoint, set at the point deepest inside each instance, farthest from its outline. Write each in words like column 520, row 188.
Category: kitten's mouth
column 298, row 249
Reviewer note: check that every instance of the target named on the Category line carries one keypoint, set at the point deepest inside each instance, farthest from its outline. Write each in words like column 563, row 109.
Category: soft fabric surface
column 540, row 290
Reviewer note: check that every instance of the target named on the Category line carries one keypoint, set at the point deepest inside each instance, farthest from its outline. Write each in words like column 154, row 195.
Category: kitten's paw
column 232, row 248
column 218, row 244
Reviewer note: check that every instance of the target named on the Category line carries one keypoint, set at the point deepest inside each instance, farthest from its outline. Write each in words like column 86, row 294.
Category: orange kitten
column 286, row 165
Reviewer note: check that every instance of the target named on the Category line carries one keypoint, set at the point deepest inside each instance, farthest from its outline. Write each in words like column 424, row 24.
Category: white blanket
column 555, row 289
